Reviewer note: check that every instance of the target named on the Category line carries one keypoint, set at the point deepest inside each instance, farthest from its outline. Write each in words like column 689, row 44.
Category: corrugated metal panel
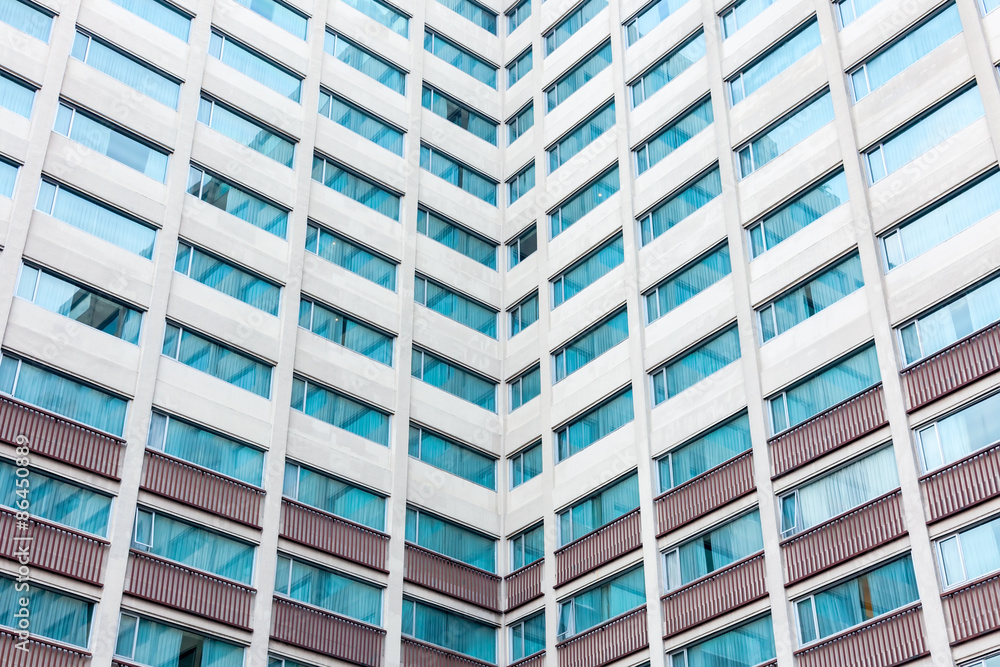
column 334, row 535
column 616, row 639
column 836, row 427
column 974, row 609
column 894, row 640
column 451, row 577
column 419, row 654
column 327, row 633
column 591, row 551
column 843, row 537
column 720, row 592
column 954, row 367
column 963, row 484
column 524, row 585
column 705, row 493
column 54, row 548
column 40, row 653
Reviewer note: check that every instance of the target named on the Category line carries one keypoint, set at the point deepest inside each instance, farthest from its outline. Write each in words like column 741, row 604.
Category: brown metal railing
column 617, row 638
column 451, row 577
column 334, row 535
column 963, row 484
column 421, row 654
column 598, row 547
column 973, row 609
column 54, row 548
column 706, row 492
column 952, row 368
column 327, row 633
column 524, row 585
column 40, row 652
column 884, row 642
column 711, row 596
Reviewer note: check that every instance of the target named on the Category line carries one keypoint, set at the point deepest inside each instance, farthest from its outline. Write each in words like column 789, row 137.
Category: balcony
column 325, row 632
column 714, row 595
column 842, row 424
column 707, row 492
column 524, row 585
column 59, row 438
column 618, row 638
column 601, row 546
column 884, row 642
column 195, row 486
column 451, row 577
column 536, row 660
column 336, row 536
column 973, row 609
column 963, row 484
column 41, row 652
column 178, row 587
column 421, row 654
column 954, row 367
column 55, row 548
column 843, row 537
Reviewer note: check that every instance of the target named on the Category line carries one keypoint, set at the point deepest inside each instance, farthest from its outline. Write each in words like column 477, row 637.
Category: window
column 347, row 254
column 856, row 601
column 740, row 13
column 64, row 396
column 126, row 68
column 280, row 14
column 449, row 539
column 527, row 547
column 599, row 509
column 53, row 615
column 458, row 174
column 161, row 14
column 694, row 365
column 691, row 197
column 839, row 381
column 713, row 550
column 746, row 645
column 970, row 554
column 523, row 314
column 904, row 51
column 522, row 181
column 341, row 411
column 106, row 139
column 687, row 282
column 455, row 380
column 842, row 490
column 255, row 65
column 518, row 67
column 16, row 95
column 597, row 422
column 196, row 547
column 455, row 306
column 956, row 436
column 345, row 331
column 673, row 136
column 601, row 602
column 275, row 661
column 816, row 294
column 237, row 201
column 245, row 131
column 474, row 12
column 517, row 15
column 583, row 201
column 650, row 17
column 919, row 136
column 785, row 134
column 329, row 494
column 848, row 10
column 803, row 210
column 328, row 590
column 987, row 7
column 667, row 69
column 589, row 345
column 942, row 220
column 587, row 270
column 147, row 642
column 453, row 457
column 8, row 177
column 752, row 77
column 365, row 61
column 524, row 387
column 384, row 13
column 526, row 464
column 226, row 277
column 575, row 20
column 459, row 114
column 949, row 323
column 78, row 303
column 183, row 440
column 520, row 123
column 27, row 17
column 360, row 188
column 522, row 246
column 705, row 452
column 53, row 499
column 457, row 237
column 581, row 136
column 449, row 630
column 456, row 56
column 527, row 636
column 361, row 122
column 567, row 84
column 208, row 356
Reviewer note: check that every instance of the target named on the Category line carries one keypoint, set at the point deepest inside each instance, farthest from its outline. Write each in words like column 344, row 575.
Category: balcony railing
column 963, row 484
column 333, row 534
column 598, row 547
column 523, row 585
column 973, row 609
column 706, row 492
column 884, row 642
column 833, row 428
column 620, row 637
column 54, row 548
column 40, row 653
column 421, row 654
column 199, row 593
column 711, row 596
column 451, row 577
column 536, row 660
column 954, row 367
column 843, row 537
column 58, row 438
column 192, row 485
column 325, row 632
